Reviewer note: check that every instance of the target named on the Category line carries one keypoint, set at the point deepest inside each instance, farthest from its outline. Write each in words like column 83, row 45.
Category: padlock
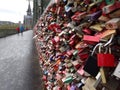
column 70, row 25
column 104, row 18
column 54, row 27
column 94, row 16
column 110, row 1
column 76, row 64
column 73, row 86
column 68, row 11
column 115, row 14
column 44, row 78
column 117, row 71
column 72, row 70
column 58, row 76
column 89, row 84
column 73, row 40
column 75, row 52
column 78, row 31
column 69, row 53
column 112, row 7
column 78, row 16
column 98, row 80
column 81, row 45
column 62, row 49
column 88, row 38
column 83, row 56
column 113, row 23
column 87, row 31
column 66, row 60
column 80, row 85
column 97, row 0
column 105, row 59
column 69, row 65
column 105, row 35
column 92, row 6
column 83, row 6
column 60, row 83
column 87, row 1
column 75, row 55
column 68, row 79
column 59, row 10
column 91, row 66
column 80, row 71
column 96, row 27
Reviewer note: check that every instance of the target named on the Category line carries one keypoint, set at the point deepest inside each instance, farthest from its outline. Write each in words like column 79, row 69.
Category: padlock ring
column 95, row 48
column 103, row 49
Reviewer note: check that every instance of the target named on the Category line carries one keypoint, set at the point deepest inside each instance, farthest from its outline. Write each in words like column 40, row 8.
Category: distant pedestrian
column 18, row 30
column 21, row 29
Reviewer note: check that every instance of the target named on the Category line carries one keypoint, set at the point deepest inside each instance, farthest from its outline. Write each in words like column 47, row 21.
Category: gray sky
column 13, row 10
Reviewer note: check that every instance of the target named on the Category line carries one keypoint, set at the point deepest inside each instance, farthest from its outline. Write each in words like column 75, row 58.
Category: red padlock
column 105, row 59
column 89, row 38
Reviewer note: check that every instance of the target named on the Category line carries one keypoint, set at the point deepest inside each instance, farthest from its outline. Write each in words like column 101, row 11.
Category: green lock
column 68, row 79
column 110, row 2
column 97, row 0
column 72, row 70
column 69, row 65
column 75, row 52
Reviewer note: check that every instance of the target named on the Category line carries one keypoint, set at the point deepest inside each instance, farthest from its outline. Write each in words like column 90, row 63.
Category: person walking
column 18, row 30
column 21, row 29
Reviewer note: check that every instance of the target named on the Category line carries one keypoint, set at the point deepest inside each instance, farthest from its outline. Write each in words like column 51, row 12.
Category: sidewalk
column 19, row 65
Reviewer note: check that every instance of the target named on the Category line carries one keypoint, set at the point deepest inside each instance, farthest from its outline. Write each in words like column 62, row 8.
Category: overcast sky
column 13, row 10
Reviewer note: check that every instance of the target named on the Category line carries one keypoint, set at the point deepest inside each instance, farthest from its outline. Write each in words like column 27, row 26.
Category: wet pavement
column 19, row 67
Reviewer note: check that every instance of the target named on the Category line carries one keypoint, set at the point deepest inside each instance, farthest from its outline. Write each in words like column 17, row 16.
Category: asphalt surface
column 19, row 66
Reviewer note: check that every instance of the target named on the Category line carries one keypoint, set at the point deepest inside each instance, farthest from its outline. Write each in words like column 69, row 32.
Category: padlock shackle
column 99, row 44
column 99, row 49
column 109, row 50
column 112, row 36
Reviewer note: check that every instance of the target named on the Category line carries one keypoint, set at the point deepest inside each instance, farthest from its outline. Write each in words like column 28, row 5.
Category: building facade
column 28, row 19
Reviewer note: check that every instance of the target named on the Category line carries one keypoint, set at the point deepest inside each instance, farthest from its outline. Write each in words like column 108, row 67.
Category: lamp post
column 35, row 11
column 38, row 8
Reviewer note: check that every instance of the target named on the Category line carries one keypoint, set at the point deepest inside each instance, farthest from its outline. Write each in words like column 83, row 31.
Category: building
column 6, row 23
column 28, row 19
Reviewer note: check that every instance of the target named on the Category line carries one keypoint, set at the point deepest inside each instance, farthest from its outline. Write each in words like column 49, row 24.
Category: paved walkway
column 19, row 67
